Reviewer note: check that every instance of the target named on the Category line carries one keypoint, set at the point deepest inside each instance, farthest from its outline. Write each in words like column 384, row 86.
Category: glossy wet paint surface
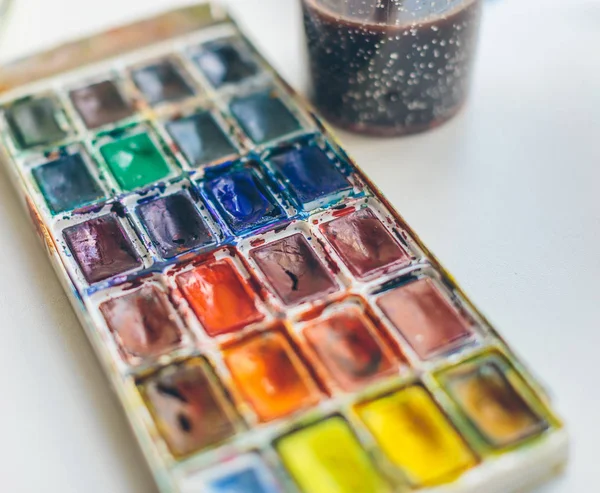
column 143, row 323
column 67, row 184
column 162, row 81
column 187, row 407
column 346, row 344
column 101, row 248
column 219, row 296
column 174, row 225
column 311, row 175
column 294, row 270
column 270, row 376
column 242, row 200
column 424, row 317
column 135, row 161
column 364, row 244
column 100, row 104
column 200, row 139
column 33, row 122
column 222, row 63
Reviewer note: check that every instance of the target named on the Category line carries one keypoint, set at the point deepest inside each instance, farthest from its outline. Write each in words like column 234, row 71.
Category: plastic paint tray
column 269, row 322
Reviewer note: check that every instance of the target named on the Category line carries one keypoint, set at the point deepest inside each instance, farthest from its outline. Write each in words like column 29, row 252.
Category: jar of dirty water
column 390, row 67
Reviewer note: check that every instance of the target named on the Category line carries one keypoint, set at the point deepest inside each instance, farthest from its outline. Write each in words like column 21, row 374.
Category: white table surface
column 506, row 195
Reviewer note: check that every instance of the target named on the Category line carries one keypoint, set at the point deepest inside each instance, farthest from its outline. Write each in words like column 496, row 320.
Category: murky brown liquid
column 398, row 68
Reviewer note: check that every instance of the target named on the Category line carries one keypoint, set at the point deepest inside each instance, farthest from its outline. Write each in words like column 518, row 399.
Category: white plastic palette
column 276, row 326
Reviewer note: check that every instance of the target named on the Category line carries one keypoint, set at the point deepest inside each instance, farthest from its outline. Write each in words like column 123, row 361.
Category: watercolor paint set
column 268, row 321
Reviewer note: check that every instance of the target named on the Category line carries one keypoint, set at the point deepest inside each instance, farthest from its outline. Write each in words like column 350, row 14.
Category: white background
column 507, row 195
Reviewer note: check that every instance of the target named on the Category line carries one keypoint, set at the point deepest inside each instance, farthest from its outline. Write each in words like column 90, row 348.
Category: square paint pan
column 100, row 247
column 102, row 103
column 366, row 242
column 200, row 138
column 206, row 287
column 35, row 122
column 312, row 174
column 265, row 116
column 134, row 158
column 348, row 346
column 293, row 266
column 243, row 198
column 226, row 63
column 164, row 81
column 427, row 317
column 173, row 221
column 140, row 324
column 66, row 180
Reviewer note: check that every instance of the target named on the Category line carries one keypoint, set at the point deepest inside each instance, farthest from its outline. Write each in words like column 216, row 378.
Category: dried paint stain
column 364, row 244
column 489, row 400
column 100, row 104
column 425, row 318
column 143, row 323
column 347, row 346
column 188, row 410
column 294, row 270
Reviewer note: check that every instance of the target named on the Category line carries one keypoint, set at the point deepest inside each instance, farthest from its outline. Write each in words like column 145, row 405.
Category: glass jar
column 390, row 67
